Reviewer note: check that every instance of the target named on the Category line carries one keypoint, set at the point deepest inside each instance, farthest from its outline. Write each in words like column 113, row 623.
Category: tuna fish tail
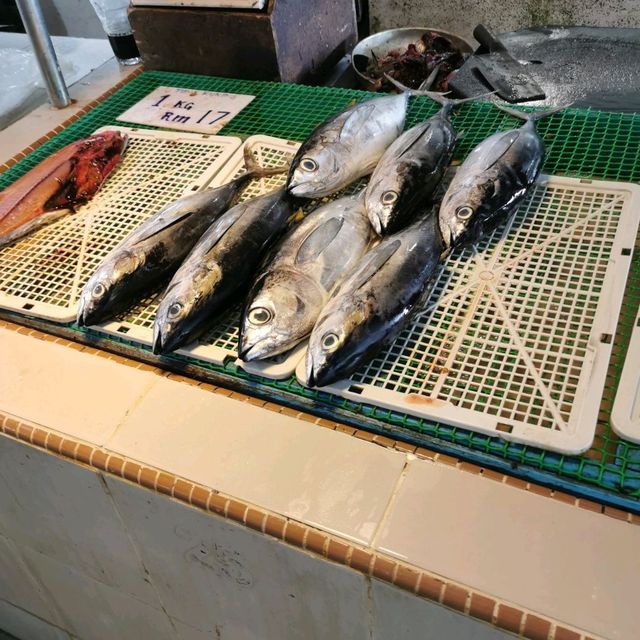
column 257, row 171
column 532, row 116
column 441, row 98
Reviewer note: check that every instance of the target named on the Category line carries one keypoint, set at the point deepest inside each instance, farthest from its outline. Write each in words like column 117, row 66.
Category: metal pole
column 34, row 23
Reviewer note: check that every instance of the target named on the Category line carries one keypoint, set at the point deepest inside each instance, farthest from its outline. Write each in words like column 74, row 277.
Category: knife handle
column 487, row 39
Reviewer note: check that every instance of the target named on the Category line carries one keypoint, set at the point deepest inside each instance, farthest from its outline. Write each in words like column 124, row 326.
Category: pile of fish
column 347, row 276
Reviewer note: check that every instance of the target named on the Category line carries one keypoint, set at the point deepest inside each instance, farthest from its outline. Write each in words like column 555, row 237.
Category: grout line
column 147, row 574
column 130, row 409
column 373, row 543
column 37, row 617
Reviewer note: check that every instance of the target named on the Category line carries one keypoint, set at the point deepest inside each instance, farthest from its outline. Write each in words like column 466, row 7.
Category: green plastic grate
column 582, row 143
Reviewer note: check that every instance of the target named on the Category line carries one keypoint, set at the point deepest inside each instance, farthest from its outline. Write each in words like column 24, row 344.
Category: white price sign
column 186, row 109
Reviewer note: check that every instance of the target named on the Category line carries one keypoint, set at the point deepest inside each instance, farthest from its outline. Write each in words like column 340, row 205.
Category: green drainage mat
column 580, row 143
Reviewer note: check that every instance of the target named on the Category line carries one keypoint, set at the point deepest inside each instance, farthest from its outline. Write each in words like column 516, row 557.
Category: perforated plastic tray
column 515, row 337
column 625, row 415
column 43, row 273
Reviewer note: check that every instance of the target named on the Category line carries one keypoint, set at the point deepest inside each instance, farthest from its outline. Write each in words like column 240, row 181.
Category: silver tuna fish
column 289, row 294
column 346, row 146
column 156, row 248
column 409, row 172
column 372, row 306
column 218, row 268
column 492, row 181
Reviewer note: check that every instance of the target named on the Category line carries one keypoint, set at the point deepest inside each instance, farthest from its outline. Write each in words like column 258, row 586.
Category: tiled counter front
column 95, row 557
column 137, row 504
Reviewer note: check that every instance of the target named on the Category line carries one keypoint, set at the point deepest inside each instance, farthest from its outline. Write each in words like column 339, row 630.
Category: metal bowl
column 381, row 43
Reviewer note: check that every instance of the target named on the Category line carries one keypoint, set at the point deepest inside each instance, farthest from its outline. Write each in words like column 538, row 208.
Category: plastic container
column 115, row 22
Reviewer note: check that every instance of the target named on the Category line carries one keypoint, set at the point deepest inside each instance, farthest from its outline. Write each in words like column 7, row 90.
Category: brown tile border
column 91, row 105
column 382, row 441
column 461, row 598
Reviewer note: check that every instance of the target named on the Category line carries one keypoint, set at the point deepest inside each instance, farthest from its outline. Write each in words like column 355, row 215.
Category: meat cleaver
column 503, row 72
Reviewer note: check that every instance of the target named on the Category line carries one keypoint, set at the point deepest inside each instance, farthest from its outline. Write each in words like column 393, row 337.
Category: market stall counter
column 191, row 494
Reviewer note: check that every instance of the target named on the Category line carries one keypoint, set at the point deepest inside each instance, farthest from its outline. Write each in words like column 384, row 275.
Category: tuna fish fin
column 217, row 230
column 415, row 135
column 255, row 170
column 529, row 116
column 318, row 240
column 440, row 98
column 355, row 120
column 431, row 78
column 371, row 264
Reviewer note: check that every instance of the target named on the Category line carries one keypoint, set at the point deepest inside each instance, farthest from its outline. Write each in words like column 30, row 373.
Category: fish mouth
column 263, row 349
column 298, row 190
column 376, row 222
column 256, row 351
column 163, row 341
column 247, row 353
column 86, row 316
column 81, row 317
column 447, row 234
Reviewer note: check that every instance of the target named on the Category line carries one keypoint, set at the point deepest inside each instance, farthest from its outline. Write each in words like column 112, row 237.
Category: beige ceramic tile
column 293, row 467
column 231, row 582
column 76, row 393
column 25, row 626
column 399, row 615
column 187, row 632
column 18, row 585
column 93, row 611
column 568, row 563
column 63, row 510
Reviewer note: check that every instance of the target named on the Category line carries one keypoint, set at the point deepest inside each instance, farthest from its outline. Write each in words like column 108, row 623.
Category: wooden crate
column 289, row 40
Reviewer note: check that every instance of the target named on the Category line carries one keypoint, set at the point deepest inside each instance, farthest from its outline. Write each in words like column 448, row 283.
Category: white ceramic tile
column 225, row 579
column 18, row 585
column 76, row 393
column 63, row 510
column 568, row 563
column 93, row 611
column 316, row 475
column 398, row 615
column 23, row 625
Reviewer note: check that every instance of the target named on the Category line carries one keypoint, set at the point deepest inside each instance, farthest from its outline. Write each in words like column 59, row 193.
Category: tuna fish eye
column 464, row 212
column 98, row 290
column 389, row 197
column 174, row 310
column 308, row 164
column 259, row 315
column 330, row 341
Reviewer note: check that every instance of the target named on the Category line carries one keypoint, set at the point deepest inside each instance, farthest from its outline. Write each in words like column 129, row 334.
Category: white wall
column 72, row 18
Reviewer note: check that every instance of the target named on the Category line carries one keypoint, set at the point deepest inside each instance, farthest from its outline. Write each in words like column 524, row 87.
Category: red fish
column 66, row 179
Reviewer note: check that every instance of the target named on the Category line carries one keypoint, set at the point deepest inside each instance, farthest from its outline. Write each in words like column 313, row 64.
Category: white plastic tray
column 515, row 338
column 43, row 273
column 625, row 415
